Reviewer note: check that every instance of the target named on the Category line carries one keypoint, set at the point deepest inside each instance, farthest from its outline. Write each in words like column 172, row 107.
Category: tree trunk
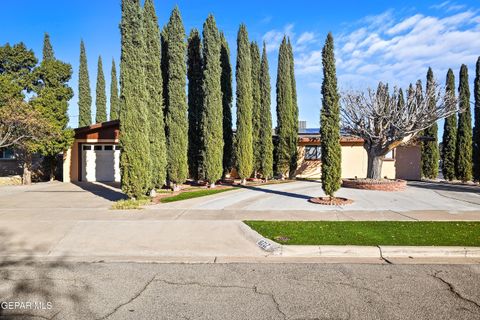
column 374, row 169
column 27, row 169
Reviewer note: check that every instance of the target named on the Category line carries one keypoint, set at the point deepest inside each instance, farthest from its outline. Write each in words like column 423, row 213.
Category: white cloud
column 403, row 52
column 405, row 24
column 448, row 6
column 306, row 37
column 274, row 37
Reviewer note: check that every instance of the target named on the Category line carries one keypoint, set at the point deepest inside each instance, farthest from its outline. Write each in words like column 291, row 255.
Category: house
column 95, row 156
column 401, row 163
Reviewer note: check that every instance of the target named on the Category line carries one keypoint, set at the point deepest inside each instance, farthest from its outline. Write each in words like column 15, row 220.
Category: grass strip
column 194, row 194
column 370, row 233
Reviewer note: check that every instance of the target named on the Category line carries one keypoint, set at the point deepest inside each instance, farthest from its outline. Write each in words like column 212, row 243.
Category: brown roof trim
column 106, row 124
column 342, row 139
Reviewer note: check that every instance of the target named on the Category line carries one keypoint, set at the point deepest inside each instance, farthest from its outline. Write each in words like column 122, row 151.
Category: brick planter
column 379, row 185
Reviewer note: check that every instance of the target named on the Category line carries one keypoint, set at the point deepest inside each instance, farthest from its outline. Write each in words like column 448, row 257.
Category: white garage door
column 100, row 162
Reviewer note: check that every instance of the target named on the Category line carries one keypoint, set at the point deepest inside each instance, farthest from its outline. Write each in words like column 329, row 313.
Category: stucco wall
column 354, row 163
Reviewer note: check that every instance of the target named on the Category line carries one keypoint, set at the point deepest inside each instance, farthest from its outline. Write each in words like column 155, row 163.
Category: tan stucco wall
column 71, row 157
column 354, row 164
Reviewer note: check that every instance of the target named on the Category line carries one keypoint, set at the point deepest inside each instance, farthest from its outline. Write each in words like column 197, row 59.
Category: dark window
column 87, row 147
column 7, row 153
column 117, row 148
column 313, row 152
column 108, row 148
column 97, row 147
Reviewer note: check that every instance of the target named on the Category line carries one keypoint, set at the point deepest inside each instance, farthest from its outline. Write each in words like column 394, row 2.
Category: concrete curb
column 429, row 252
column 381, row 252
column 262, row 242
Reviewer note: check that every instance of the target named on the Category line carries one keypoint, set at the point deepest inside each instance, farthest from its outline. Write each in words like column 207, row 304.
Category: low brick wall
column 384, row 185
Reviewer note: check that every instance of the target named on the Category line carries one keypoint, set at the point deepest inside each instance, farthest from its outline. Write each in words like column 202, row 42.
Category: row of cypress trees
column 84, row 93
column 167, row 138
column 460, row 143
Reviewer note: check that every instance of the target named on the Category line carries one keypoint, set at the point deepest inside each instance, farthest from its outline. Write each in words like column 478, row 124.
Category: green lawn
column 370, row 233
column 194, row 194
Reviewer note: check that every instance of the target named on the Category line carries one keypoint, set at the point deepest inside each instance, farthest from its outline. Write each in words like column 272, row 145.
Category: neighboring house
column 401, row 163
column 95, row 156
column 9, row 165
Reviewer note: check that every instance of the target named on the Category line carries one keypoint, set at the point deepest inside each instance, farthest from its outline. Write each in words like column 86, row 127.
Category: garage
column 100, row 162
column 94, row 154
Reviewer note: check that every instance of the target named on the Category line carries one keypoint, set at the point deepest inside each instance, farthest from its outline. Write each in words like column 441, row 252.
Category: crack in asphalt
column 153, row 279
column 138, row 294
column 254, row 289
column 452, row 289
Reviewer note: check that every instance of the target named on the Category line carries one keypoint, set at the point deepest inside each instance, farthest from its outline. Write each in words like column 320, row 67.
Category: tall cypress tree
column 463, row 154
column 227, row 96
column 244, row 138
column 101, row 97
column 330, row 122
column 84, row 96
column 164, row 66
column 114, row 99
column 53, row 94
column 48, row 54
column 176, row 120
column 285, row 111
column 294, row 133
column 212, row 120
column 134, row 125
column 195, row 104
column 266, row 143
column 449, row 139
column 257, row 121
column 430, row 152
column 476, row 129
column 154, row 98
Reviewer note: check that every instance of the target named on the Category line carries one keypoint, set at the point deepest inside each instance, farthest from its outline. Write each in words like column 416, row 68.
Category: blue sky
column 375, row 40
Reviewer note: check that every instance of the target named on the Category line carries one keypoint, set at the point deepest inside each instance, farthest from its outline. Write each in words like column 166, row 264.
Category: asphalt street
column 241, row 291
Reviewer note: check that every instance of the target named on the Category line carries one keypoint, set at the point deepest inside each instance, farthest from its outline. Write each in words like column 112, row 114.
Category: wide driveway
column 294, row 196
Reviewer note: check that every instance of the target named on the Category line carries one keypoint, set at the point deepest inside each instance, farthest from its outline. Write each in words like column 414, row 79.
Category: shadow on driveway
column 108, row 190
column 444, row 186
column 277, row 192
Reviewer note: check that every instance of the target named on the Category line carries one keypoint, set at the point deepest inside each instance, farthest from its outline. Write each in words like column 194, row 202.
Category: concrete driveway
column 294, row 196
column 58, row 195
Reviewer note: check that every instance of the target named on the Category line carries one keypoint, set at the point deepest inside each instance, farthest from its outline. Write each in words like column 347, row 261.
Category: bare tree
column 22, row 128
column 385, row 121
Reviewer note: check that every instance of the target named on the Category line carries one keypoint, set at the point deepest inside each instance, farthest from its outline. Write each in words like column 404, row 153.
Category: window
column 313, row 152
column 97, row 147
column 7, row 154
column 87, row 148
column 117, row 147
column 389, row 155
column 108, row 148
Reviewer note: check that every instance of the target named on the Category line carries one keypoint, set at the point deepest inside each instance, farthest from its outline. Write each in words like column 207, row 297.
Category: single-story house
column 95, row 156
column 401, row 163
